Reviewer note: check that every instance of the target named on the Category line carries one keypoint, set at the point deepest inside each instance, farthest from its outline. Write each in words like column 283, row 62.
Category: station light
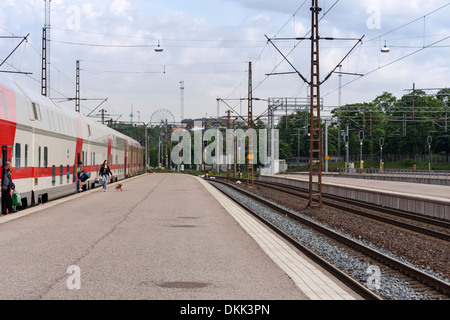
column 385, row 49
column 158, row 48
column 309, row 130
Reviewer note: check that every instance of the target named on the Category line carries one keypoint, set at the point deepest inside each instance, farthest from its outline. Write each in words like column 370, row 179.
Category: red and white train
column 44, row 142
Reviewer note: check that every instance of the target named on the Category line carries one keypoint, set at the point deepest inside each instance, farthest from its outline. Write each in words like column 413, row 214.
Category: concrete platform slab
column 426, row 199
column 164, row 237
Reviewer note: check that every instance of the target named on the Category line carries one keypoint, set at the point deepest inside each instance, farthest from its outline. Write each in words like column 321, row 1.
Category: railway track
column 373, row 212
column 421, row 282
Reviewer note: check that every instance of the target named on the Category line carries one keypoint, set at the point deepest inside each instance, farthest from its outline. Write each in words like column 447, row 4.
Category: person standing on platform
column 104, row 173
column 7, row 186
column 79, row 173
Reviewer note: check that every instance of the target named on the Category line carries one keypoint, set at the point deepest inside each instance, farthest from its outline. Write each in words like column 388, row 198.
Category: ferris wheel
column 160, row 116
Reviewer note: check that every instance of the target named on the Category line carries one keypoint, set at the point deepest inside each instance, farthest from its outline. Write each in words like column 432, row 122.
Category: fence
column 437, row 177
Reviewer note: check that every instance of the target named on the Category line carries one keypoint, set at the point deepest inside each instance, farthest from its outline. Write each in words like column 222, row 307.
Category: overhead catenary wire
column 389, row 64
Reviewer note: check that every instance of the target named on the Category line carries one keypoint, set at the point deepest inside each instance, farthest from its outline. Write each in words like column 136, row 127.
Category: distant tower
column 182, row 101
column 131, row 115
column 45, row 81
column 218, row 107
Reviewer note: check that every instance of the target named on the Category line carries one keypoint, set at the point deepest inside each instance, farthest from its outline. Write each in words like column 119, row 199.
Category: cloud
column 88, row 11
column 208, row 43
column 120, row 7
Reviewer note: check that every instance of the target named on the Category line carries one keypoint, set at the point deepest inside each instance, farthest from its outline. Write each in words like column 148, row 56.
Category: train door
column 125, row 167
column 3, row 161
column 125, row 155
column 4, row 155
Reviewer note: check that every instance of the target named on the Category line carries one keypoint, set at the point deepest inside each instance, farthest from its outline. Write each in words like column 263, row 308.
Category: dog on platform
column 119, row 187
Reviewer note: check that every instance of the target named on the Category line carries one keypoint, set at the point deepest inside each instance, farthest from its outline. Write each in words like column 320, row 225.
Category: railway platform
column 165, row 237
column 425, row 199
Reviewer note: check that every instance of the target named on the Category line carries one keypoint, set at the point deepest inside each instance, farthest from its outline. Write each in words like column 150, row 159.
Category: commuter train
column 45, row 141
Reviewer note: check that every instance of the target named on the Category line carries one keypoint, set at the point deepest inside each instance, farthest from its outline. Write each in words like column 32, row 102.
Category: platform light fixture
column 158, row 48
column 385, row 49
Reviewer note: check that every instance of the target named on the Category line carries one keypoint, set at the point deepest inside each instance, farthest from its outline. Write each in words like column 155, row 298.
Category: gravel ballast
column 389, row 287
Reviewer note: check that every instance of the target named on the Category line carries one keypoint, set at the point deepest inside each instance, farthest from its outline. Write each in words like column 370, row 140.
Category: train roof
column 68, row 112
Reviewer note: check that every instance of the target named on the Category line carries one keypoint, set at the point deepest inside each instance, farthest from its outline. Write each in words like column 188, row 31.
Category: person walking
column 7, row 186
column 104, row 172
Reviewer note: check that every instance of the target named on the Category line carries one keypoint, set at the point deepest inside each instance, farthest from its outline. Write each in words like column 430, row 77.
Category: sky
column 208, row 45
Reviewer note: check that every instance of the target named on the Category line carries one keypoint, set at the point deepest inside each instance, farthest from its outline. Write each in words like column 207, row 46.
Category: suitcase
column 85, row 176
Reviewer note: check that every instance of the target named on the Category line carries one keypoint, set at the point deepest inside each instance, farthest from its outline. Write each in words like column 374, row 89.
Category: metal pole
column 159, row 151
column 361, row 155
column 429, row 140
column 339, row 115
column 315, row 151
column 326, row 146
column 167, row 147
column 146, row 149
column 381, row 160
column 182, row 101
column 250, row 126
column 228, row 148
column 347, row 140
column 77, row 88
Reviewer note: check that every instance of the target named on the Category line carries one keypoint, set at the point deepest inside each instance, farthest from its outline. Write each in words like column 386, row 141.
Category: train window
column 26, row 156
column 68, row 174
column 74, row 172
column 61, row 173
column 36, row 111
column 93, row 163
column 53, row 175
column 82, row 157
column 17, row 155
column 39, row 157
column 117, row 159
column 45, row 157
column 4, row 105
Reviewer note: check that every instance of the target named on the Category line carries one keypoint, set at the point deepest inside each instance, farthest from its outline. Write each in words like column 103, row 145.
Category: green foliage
column 404, row 124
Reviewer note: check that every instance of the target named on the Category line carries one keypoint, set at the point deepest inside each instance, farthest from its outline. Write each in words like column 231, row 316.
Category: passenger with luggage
column 104, row 172
column 7, row 186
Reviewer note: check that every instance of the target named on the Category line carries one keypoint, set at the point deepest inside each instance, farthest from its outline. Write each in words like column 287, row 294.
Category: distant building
column 212, row 122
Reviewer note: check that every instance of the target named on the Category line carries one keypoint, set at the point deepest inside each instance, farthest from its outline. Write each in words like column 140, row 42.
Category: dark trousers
column 6, row 201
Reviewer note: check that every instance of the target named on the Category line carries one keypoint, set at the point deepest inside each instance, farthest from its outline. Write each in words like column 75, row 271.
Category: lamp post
column 347, row 148
column 381, row 153
column 361, row 140
column 429, row 140
column 445, row 100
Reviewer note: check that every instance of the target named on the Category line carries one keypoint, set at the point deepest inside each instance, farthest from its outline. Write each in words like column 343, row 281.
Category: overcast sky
column 208, row 44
